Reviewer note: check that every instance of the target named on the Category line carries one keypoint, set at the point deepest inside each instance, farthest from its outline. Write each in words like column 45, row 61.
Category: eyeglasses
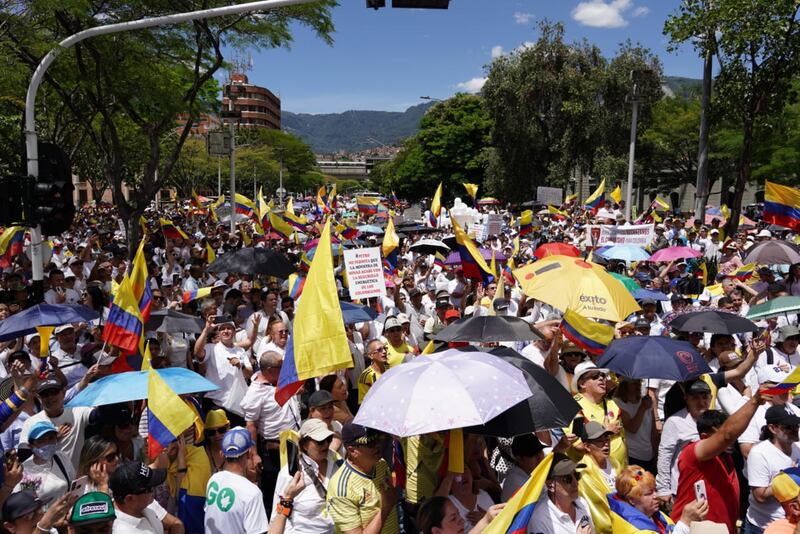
column 212, row 431
column 567, row 479
column 380, row 349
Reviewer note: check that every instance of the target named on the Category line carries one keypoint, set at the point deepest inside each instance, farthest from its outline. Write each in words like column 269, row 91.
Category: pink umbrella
column 675, row 253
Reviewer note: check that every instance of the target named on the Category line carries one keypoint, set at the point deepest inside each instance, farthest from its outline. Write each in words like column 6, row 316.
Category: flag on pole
column 211, row 256
column 517, row 514
column 368, row 205
column 12, row 242
column 171, row 231
column 782, row 205
column 124, row 324
column 436, row 207
column 439, row 259
column 471, row 260
column 140, row 283
column 318, row 344
column 389, row 248
column 616, row 194
column 280, row 226
column 472, row 191
column 597, row 198
column 167, row 415
column 195, row 294
column 243, row 205
column 590, row 335
column 525, row 223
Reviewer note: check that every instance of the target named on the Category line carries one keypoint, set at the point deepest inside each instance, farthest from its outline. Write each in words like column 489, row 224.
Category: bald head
column 269, row 359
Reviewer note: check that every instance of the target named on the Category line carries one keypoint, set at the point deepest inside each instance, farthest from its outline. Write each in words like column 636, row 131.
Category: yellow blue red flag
column 591, row 335
column 167, row 415
column 519, row 509
column 597, row 198
column 782, row 205
column 436, row 207
column 471, row 259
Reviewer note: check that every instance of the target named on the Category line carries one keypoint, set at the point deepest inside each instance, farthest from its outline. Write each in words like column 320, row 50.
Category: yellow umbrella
column 585, row 287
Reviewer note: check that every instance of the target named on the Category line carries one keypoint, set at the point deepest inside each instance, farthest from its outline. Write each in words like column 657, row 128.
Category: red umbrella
column 556, row 249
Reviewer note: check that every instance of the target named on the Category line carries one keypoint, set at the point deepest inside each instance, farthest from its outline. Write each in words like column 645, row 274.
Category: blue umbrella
column 624, row 252
column 653, row 357
column 24, row 323
column 354, row 313
column 642, row 294
column 124, row 387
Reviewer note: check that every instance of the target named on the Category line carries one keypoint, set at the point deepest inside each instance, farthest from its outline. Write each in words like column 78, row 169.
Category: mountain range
column 357, row 130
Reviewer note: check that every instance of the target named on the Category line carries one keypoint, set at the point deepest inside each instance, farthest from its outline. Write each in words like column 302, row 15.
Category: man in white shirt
column 234, row 504
column 563, row 512
column 784, row 353
column 768, row 377
column 266, row 419
column 132, row 484
column 58, row 293
column 68, row 353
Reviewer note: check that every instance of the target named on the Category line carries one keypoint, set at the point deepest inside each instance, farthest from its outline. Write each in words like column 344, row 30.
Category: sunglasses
column 213, row 431
column 567, row 479
column 283, row 332
column 382, row 349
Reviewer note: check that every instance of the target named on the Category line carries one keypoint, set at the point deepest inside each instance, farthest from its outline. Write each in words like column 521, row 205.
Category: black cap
column 20, row 504
column 697, row 387
column 355, row 434
column 442, row 302
column 134, row 477
column 51, row 382
column 778, row 415
column 320, row 398
column 500, row 304
column 641, row 322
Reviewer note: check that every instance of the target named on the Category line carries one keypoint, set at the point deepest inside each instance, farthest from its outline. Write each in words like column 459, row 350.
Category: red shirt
column 722, row 486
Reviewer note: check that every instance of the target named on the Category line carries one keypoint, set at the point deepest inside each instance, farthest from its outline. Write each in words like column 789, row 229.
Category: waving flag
column 590, row 335
column 597, row 198
column 12, row 242
column 571, row 198
column 788, row 384
column 263, row 209
column 124, row 324
column 140, row 283
column 167, row 415
column 471, row 260
column 171, row 231
column 195, row 294
column 298, row 222
column 279, row 226
column 243, row 205
column 389, row 249
column 296, row 283
column 347, row 232
column 616, row 194
column 517, row 514
column 368, row 205
column 472, row 191
column 332, row 198
column 318, row 344
column 197, row 200
column 439, row 259
column 782, row 205
column 211, row 256
column 322, row 200
column 525, row 223
column 436, row 207
column 744, row 272
column 395, row 200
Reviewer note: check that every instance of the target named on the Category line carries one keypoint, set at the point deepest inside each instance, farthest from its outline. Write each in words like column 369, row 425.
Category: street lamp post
column 635, row 100
column 31, row 137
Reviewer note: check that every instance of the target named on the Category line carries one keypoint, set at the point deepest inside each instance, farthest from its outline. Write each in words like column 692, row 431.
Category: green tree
column 757, row 47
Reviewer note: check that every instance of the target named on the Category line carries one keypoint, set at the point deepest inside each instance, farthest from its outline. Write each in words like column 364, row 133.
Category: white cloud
column 606, row 14
column 471, row 86
column 522, row 18
column 497, row 51
column 524, row 46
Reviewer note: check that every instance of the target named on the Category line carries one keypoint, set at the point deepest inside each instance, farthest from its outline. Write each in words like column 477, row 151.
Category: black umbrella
column 550, row 406
column 173, row 321
column 489, row 328
column 713, row 321
column 430, row 246
column 254, row 261
column 773, row 251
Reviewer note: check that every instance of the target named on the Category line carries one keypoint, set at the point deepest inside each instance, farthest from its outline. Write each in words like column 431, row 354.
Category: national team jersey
column 354, row 498
column 234, row 505
column 368, row 377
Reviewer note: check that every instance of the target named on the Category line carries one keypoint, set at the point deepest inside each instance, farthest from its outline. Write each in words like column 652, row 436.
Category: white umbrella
column 442, row 391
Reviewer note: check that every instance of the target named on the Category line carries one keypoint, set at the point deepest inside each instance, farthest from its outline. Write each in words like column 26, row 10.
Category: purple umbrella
column 675, row 253
column 455, row 258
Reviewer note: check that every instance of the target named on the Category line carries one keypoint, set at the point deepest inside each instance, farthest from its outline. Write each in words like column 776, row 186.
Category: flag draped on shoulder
column 167, row 415
column 471, row 260
column 782, row 205
column 318, row 344
column 436, row 207
column 517, row 514
column 597, row 198
column 592, row 336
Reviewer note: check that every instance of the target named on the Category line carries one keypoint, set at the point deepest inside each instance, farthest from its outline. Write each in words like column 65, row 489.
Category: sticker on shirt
column 223, row 498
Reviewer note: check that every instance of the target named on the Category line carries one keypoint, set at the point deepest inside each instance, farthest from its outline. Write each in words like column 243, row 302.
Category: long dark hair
column 431, row 514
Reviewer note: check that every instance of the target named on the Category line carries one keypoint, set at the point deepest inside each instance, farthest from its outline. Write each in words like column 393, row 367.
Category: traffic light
column 376, row 4
column 50, row 202
column 13, row 190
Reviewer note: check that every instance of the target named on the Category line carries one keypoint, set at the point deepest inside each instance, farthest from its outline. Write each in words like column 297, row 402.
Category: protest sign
column 364, row 272
column 639, row 235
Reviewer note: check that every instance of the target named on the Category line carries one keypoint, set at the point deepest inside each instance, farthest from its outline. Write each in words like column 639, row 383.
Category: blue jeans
column 750, row 528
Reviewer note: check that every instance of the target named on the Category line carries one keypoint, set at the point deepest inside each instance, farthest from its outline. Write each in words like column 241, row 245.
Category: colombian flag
column 12, row 241
column 594, row 202
column 588, row 334
column 368, row 205
column 244, row 205
column 347, row 232
column 782, row 205
column 140, row 283
column 627, row 519
column 439, row 259
column 171, row 231
column 167, row 415
column 195, row 294
column 296, row 283
column 471, row 260
column 389, row 248
column 744, row 272
column 517, row 514
column 322, row 200
column 280, row 226
column 436, row 207
column 788, row 384
column 472, row 191
column 525, row 223
column 124, row 324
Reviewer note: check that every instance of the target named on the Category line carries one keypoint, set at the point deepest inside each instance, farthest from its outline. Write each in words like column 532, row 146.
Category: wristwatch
column 285, row 507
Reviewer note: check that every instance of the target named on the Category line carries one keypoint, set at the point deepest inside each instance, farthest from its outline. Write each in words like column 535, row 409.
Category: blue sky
column 387, row 59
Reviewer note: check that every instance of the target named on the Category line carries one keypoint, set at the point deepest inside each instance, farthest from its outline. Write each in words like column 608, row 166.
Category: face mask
column 45, row 452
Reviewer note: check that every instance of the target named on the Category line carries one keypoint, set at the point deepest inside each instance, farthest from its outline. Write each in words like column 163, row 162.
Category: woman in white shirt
column 47, row 473
column 637, row 418
column 305, row 490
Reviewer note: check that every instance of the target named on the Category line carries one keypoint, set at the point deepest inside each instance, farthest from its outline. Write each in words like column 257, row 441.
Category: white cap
column 62, row 328
column 583, row 368
column 771, row 373
column 764, row 233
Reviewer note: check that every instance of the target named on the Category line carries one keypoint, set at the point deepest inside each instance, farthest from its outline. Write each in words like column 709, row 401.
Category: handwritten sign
column 364, row 272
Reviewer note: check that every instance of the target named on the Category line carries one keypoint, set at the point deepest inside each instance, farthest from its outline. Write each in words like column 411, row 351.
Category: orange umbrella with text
column 585, row 287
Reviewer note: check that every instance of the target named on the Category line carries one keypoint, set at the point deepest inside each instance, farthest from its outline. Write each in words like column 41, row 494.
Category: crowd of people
column 719, row 451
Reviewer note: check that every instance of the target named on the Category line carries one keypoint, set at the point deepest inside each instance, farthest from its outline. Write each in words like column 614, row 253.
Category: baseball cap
column 643, row 276
column 320, row 398
column 391, row 322
column 315, row 429
column 641, row 322
column 772, row 374
column 131, row 478
column 586, row 367
column 452, row 314
column 787, row 331
column 714, row 231
column 403, row 318
column 63, row 328
column 236, row 442
column 93, row 507
column 74, row 259
column 785, row 485
column 20, row 504
column 51, row 382
column 216, row 419
column 500, row 304
column 562, row 465
column 593, row 430
column 355, row 434
column 40, row 429
column 764, row 233
column 697, row 387
column 779, row 415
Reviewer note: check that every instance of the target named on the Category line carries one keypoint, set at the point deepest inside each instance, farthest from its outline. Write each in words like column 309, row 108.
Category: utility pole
column 635, row 99
column 702, row 189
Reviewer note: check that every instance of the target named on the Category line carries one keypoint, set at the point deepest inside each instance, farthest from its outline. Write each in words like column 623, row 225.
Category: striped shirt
column 354, row 498
column 368, row 377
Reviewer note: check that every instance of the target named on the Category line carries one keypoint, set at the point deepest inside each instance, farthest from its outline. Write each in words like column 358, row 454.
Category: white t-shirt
column 71, row 445
column 763, row 463
column 149, row 523
column 308, row 516
column 234, row 505
column 47, row 480
column 229, row 378
column 483, row 501
column 548, row 519
column 259, row 405
column 753, row 431
column 639, row 444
